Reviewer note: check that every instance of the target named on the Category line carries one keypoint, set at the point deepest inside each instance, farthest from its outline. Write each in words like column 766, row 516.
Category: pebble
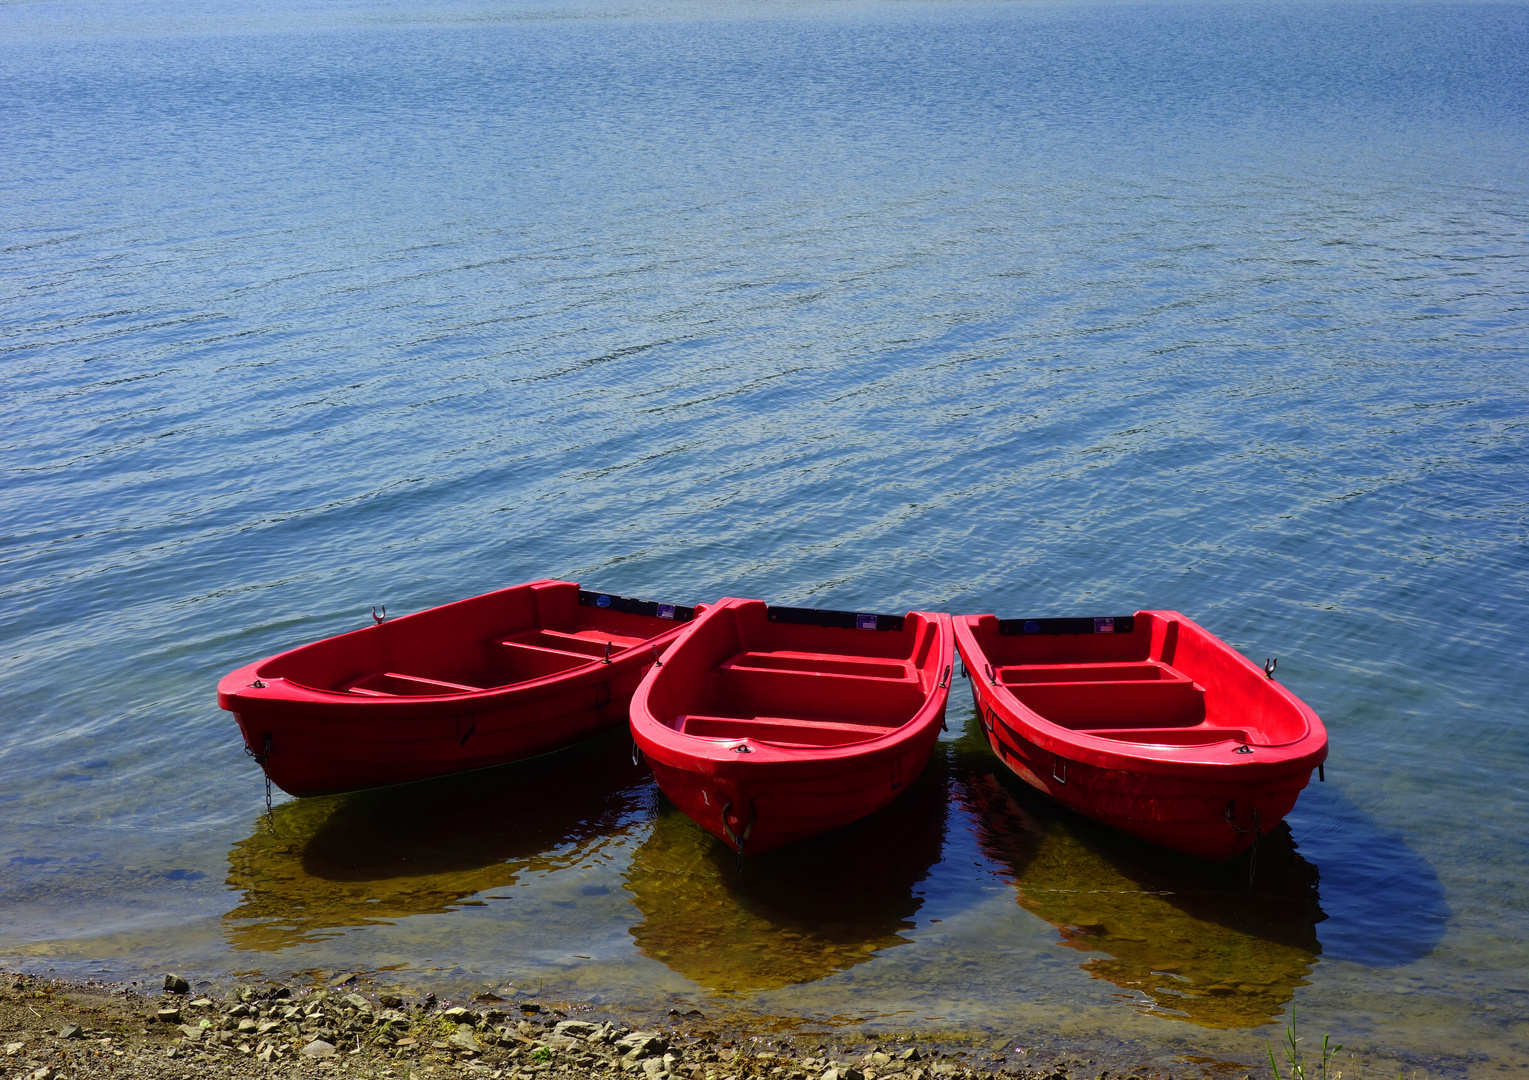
column 172, row 1015
column 579, row 1029
column 71, row 1031
column 174, row 984
column 463, row 1040
column 642, row 1044
column 318, row 1048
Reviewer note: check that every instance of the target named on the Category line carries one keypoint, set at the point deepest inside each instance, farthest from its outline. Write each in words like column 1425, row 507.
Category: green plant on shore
column 542, row 1053
column 1296, row 1066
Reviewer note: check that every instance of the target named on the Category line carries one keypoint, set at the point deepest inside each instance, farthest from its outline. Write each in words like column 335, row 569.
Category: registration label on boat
column 665, row 611
column 865, row 622
column 1104, row 626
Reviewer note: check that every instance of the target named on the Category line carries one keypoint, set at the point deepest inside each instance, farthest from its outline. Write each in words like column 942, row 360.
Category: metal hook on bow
column 377, row 619
column 1270, row 663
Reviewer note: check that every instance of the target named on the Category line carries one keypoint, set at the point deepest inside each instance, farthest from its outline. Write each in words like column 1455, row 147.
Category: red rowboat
column 1146, row 722
column 771, row 724
column 500, row 677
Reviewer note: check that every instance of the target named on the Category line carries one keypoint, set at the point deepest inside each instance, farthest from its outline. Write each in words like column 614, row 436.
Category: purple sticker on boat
column 604, row 601
column 865, row 622
column 1104, row 626
column 666, row 611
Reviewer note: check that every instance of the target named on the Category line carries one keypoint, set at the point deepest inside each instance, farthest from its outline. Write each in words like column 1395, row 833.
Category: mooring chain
column 261, row 759
column 1257, row 831
column 739, row 841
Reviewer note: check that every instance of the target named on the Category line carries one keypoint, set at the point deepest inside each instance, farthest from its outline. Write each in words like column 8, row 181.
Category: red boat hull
column 481, row 682
column 766, row 730
column 1147, row 723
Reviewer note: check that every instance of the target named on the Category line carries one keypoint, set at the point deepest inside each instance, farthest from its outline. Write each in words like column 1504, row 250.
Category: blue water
column 1031, row 308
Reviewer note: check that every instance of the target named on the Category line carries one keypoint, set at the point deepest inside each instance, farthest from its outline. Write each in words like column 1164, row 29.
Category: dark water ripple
column 1043, row 309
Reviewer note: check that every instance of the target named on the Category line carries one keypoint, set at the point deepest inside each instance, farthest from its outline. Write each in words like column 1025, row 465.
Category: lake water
column 1031, row 308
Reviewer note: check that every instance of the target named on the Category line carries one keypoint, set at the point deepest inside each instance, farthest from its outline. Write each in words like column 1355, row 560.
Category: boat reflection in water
column 323, row 865
column 793, row 915
column 1185, row 938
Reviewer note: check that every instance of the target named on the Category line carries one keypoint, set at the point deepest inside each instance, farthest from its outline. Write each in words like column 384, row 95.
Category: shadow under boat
column 317, row 867
column 1385, row 904
column 1220, row 946
column 797, row 914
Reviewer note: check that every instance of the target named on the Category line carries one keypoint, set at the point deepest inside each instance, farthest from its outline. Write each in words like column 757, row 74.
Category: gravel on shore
column 58, row 1030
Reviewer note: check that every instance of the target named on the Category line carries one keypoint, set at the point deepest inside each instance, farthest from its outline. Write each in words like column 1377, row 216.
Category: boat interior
column 806, row 699
column 531, row 654
column 791, row 689
column 1121, row 685
column 488, row 642
column 1145, row 701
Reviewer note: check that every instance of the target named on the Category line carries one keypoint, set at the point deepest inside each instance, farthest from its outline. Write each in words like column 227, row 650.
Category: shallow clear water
column 1032, row 309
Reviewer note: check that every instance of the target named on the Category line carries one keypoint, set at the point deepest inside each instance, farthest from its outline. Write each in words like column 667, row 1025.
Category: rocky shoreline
column 58, row 1030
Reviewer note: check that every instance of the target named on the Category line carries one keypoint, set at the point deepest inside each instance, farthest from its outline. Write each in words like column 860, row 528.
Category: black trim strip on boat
column 844, row 620
column 1109, row 624
column 636, row 607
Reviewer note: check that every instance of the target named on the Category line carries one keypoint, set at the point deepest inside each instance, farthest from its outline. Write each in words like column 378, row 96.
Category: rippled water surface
column 1030, row 308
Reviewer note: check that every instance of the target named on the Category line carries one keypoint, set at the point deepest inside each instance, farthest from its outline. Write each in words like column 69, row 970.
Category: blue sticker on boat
column 604, row 601
column 865, row 622
column 665, row 611
column 1104, row 626
column 1032, row 627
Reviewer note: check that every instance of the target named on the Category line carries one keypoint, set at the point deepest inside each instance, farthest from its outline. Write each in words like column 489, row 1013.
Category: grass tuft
column 1295, row 1059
